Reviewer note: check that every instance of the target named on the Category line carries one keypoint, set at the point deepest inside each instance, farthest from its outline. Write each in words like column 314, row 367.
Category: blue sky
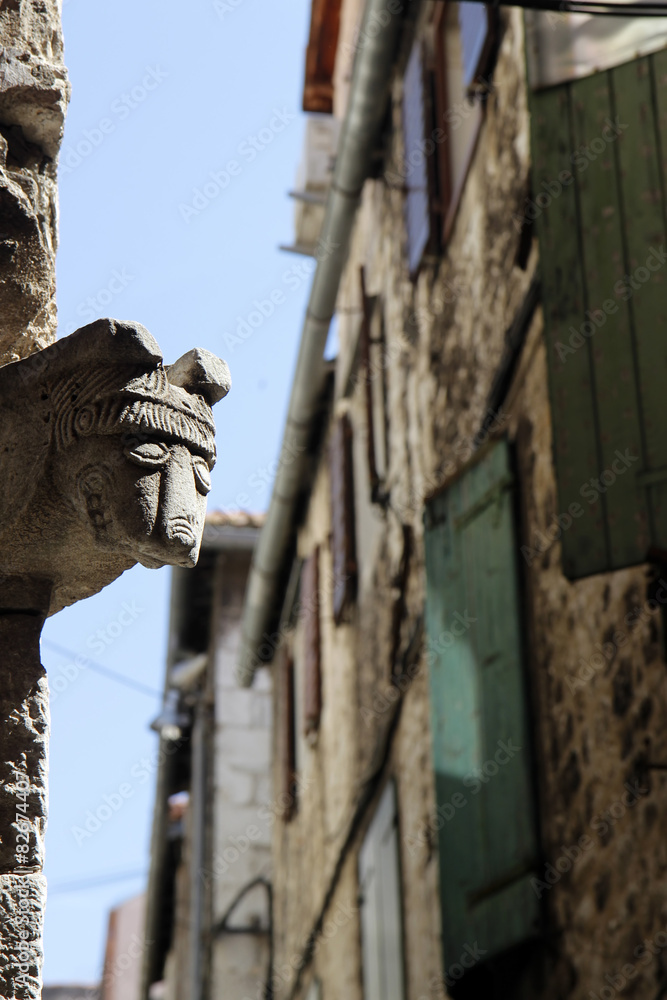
column 182, row 139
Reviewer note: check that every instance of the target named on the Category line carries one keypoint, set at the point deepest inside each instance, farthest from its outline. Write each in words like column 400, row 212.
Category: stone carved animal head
column 113, row 452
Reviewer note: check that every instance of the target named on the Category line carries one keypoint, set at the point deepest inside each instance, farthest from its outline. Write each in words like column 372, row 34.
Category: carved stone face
column 106, row 458
column 146, row 497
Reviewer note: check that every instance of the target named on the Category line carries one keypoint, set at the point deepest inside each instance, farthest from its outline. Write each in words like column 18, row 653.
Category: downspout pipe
column 369, row 90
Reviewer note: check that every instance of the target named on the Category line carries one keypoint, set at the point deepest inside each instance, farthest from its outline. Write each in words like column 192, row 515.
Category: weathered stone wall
column 33, row 98
column 594, row 732
column 361, row 740
column 243, row 798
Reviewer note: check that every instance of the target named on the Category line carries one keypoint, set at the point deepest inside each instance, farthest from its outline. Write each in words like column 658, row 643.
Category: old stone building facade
column 469, row 715
column 208, row 920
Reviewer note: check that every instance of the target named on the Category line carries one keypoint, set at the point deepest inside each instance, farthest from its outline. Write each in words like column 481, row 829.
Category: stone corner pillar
column 24, row 737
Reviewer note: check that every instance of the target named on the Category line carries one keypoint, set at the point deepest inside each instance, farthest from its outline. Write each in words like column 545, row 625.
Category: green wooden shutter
column 487, row 842
column 381, row 914
column 607, row 364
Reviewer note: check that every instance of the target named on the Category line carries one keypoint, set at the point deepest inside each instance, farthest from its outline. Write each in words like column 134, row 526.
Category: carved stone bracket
column 105, row 461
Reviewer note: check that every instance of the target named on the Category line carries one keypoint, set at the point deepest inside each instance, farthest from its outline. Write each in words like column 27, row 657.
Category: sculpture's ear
column 111, row 341
column 104, row 342
column 203, row 373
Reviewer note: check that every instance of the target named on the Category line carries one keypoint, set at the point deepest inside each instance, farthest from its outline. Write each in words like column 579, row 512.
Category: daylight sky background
column 132, row 247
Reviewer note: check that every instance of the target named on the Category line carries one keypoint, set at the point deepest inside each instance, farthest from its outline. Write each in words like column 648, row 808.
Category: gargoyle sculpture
column 106, row 458
column 105, row 461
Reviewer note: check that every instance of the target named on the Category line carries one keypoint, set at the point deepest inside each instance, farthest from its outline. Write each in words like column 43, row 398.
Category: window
column 343, row 541
column 373, row 363
column 310, row 607
column 487, row 842
column 446, row 78
column 286, row 735
column 315, row 991
column 381, row 916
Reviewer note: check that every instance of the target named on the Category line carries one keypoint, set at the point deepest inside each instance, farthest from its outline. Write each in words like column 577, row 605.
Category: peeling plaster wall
column 445, row 339
column 33, row 98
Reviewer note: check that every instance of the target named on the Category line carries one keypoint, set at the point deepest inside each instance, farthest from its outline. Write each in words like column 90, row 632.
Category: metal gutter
column 366, row 107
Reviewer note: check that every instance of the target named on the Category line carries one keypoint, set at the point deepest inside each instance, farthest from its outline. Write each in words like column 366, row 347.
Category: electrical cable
column 78, row 885
column 105, row 671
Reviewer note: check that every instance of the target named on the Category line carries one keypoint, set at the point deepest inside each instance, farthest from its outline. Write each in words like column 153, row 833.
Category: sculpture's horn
column 203, row 373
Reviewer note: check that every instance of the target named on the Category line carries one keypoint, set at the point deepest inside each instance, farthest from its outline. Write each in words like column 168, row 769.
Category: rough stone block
column 22, row 903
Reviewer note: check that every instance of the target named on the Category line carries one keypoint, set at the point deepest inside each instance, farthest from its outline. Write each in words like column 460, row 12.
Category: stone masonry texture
column 33, row 98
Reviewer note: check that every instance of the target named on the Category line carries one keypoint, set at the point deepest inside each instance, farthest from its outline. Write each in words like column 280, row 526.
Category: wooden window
column 442, row 118
column 310, row 608
column 343, row 542
column 418, row 186
column 381, row 915
column 315, row 990
column 477, row 24
column 374, row 372
column 600, row 220
column 286, row 732
column 464, row 36
column 487, row 845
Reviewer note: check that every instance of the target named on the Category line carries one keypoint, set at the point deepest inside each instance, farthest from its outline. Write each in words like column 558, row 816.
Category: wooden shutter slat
column 287, row 735
column 343, row 540
column 488, row 848
column 417, row 200
column 310, row 598
column 576, row 455
column 618, row 407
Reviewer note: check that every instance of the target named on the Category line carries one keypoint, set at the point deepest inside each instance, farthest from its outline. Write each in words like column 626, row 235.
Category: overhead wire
column 105, row 671
column 78, row 885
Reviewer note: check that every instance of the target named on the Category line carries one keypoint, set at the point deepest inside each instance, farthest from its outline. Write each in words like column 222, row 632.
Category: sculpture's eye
column 150, row 454
column 202, row 474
